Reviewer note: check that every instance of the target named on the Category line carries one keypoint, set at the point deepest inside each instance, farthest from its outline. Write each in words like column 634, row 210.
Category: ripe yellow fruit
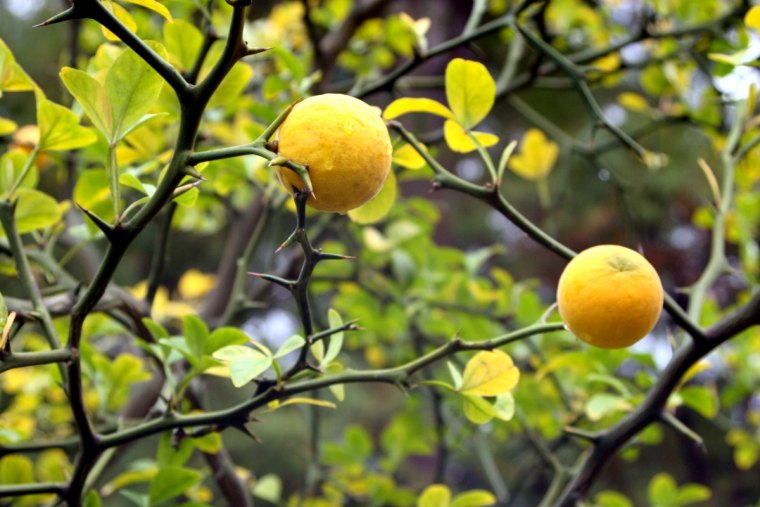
column 609, row 296
column 346, row 146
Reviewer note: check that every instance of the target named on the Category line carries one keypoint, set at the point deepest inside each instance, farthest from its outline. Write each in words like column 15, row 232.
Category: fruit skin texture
column 609, row 296
column 346, row 146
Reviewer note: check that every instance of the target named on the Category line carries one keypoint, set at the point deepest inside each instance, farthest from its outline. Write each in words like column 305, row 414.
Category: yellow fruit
column 346, row 146
column 609, row 296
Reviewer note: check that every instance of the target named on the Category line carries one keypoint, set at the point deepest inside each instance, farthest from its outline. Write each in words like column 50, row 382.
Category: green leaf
column 693, row 493
column 224, row 336
column 196, row 334
column 662, row 490
column 470, row 91
column 209, row 444
column 268, row 487
column 232, row 87
column 700, row 398
column 170, row 482
column 489, row 373
column 60, row 129
column 477, row 409
column 170, row 455
column 16, row 469
column 92, row 499
column 243, row 370
column 379, row 206
column 459, row 140
column 474, row 498
column 436, row 495
column 35, row 210
column 132, row 87
column 295, row 342
column 611, row 498
column 91, row 96
column 183, row 42
column 407, row 105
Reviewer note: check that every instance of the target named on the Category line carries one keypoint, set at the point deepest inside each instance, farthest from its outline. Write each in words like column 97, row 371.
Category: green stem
column 23, row 359
column 112, row 170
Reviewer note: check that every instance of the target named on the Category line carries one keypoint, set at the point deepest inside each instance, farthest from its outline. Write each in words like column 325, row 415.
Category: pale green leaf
column 301, row 401
column 170, row 482
column 662, row 489
column 295, row 342
column 35, row 210
column 470, row 91
column 132, row 88
column 243, row 370
column 233, row 86
column 477, row 409
column 268, row 487
column 436, row 495
column 456, row 376
column 12, row 77
column 505, row 406
column 407, row 105
column 459, row 140
column 474, row 498
column 92, row 499
column 336, row 339
column 210, row 443
column 693, row 493
column 236, row 351
column 379, row 206
column 611, row 498
column 489, row 373
column 602, row 404
column 11, row 166
column 91, row 96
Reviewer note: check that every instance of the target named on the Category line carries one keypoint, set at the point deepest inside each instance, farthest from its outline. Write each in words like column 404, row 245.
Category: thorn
column 67, row 15
column 245, row 431
column 255, row 51
column 194, row 173
column 333, row 256
column 106, row 228
column 288, row 284
column 291, row 239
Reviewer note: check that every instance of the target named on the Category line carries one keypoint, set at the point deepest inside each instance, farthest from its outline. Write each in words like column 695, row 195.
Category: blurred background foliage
column 440, row 264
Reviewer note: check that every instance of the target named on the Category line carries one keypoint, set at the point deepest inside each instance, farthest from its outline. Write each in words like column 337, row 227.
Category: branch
column 395, row 376
column 23, row 359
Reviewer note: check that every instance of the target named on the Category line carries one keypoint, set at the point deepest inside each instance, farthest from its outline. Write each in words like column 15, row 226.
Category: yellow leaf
column 537, row 156
column 9, row 127
column 470, row 90
column 633, row 101
column 406, row 156
column 154, row 6
column 436, row 495
column 607, row 63
column 459, row 141
column 477, row 410
column 695, row 370
column 407, row 105
column 122, row 15
column 752, row 18
column 489, row 373
column 274, row 405
column 194, row 284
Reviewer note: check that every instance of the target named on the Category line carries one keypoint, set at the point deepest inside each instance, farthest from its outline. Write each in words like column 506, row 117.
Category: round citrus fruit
column 609, row 296
column 345, row 145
